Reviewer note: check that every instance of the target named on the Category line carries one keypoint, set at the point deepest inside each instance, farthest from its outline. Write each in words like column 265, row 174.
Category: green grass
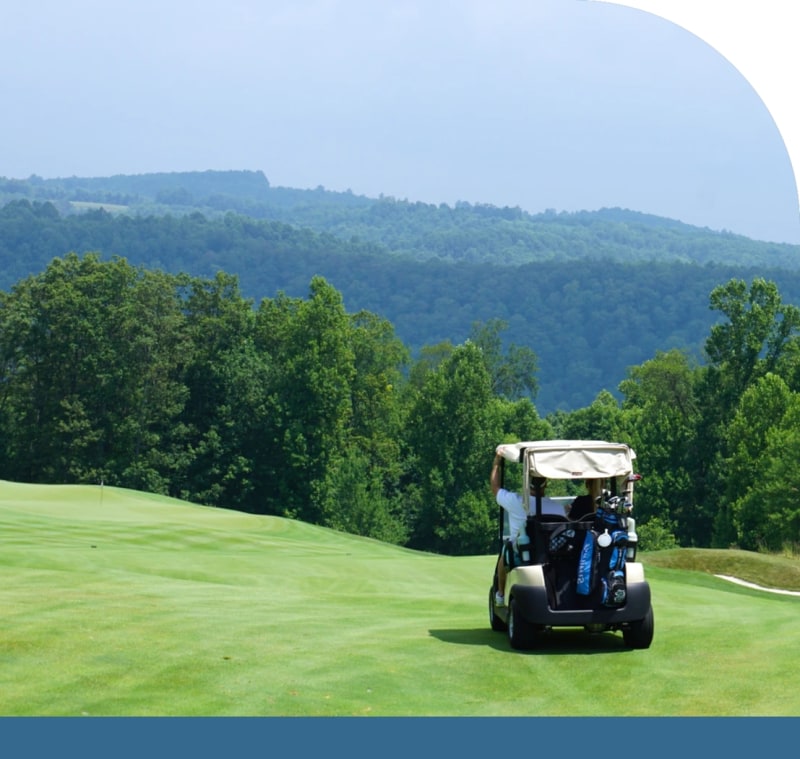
column 768, row 571
column 118, row 603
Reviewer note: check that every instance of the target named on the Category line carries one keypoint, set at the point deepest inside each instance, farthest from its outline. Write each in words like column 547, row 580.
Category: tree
column 226, row 379
column 312, row 367
column 363, row 484
column 513, row 374
column 92, row 374
column 519, row 420
column 602, row 420
column 753, row 339
column 750, row 439
column 362, row 505
column 772, row 504
column 452, row 428
column 661, row 413
column 758, row 336
column 429, row 360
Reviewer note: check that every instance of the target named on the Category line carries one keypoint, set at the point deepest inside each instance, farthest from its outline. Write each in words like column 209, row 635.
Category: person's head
column 538, row 484
column 593, row 487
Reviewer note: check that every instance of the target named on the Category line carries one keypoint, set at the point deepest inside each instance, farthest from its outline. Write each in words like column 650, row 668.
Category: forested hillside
column 176, row 384
column 591, row 294
column 352, row 362
column 463, row 233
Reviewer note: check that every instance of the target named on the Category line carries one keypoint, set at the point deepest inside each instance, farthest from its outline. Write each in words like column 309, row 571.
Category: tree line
column 586, row 319
column 294, row 406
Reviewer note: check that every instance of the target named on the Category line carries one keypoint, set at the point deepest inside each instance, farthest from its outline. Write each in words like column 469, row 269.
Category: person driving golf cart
column 513, row 503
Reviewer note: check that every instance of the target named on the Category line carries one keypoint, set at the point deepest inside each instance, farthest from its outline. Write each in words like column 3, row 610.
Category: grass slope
column 119, row 603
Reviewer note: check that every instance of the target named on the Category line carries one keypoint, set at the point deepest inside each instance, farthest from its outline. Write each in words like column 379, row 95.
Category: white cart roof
column 571, row 459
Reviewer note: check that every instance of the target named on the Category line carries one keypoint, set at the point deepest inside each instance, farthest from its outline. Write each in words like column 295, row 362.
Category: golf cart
column 573, row 573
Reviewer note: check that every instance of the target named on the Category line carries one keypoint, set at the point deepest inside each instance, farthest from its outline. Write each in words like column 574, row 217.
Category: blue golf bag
column 603, row 555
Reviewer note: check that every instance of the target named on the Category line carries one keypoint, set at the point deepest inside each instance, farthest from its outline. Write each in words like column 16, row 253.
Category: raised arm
column 496, row 476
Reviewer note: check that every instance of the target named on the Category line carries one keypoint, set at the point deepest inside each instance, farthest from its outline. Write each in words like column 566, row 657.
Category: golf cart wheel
column 639, row 634
column 521, row 633
column 496, row 623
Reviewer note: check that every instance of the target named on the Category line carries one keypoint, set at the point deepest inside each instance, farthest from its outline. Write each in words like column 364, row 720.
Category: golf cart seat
column 540, row 529
column 557, row 545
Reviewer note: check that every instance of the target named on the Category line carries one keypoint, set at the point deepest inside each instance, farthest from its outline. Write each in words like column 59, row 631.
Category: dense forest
column 178, row 385
column 250, row 363
column 591, row 294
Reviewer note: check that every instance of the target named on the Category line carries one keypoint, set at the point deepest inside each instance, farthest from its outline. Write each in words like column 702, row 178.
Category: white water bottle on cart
column 633, row 540
column 524, row 543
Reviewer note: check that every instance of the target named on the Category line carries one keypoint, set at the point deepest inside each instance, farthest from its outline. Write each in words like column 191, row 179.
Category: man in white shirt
column 517, row 517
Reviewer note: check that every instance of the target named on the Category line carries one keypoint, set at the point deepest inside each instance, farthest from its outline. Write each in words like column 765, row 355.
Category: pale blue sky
column 542, row 104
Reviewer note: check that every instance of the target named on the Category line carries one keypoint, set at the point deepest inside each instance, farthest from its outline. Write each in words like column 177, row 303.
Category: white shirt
column 517, row 516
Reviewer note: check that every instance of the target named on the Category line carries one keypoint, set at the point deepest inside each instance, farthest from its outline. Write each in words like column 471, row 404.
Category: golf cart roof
column 571, row 459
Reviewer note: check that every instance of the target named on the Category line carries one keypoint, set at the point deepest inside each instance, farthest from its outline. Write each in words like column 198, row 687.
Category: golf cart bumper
column 533, row 606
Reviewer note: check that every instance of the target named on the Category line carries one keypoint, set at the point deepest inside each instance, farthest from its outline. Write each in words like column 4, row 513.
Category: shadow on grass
column 559, row 641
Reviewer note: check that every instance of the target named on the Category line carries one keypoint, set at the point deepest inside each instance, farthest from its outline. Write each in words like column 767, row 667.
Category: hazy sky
column 542, row 104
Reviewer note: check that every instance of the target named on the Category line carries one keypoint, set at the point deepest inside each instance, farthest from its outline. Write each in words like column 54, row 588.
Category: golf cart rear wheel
column 496, row 623
column 639, row 634
column 521, row 633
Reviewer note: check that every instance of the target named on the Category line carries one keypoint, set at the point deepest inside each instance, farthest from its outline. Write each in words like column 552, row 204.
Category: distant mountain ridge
column 460, row 233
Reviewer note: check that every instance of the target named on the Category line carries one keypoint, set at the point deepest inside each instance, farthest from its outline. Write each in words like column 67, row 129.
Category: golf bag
column 614, row 591
column 587, row 564
column 603, row 556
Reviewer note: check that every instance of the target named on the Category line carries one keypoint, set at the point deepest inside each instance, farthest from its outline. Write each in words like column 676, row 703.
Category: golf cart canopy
column 571, row 459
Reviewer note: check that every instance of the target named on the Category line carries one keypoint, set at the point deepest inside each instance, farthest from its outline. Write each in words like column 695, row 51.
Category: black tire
column 521, row 633
column 496, row 623
column 639, row 634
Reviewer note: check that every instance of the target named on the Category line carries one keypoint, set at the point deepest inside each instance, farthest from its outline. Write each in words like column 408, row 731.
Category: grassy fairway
column 120, row 603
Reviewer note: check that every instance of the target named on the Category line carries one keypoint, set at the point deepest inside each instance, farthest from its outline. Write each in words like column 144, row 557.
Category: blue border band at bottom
column 148, row 738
